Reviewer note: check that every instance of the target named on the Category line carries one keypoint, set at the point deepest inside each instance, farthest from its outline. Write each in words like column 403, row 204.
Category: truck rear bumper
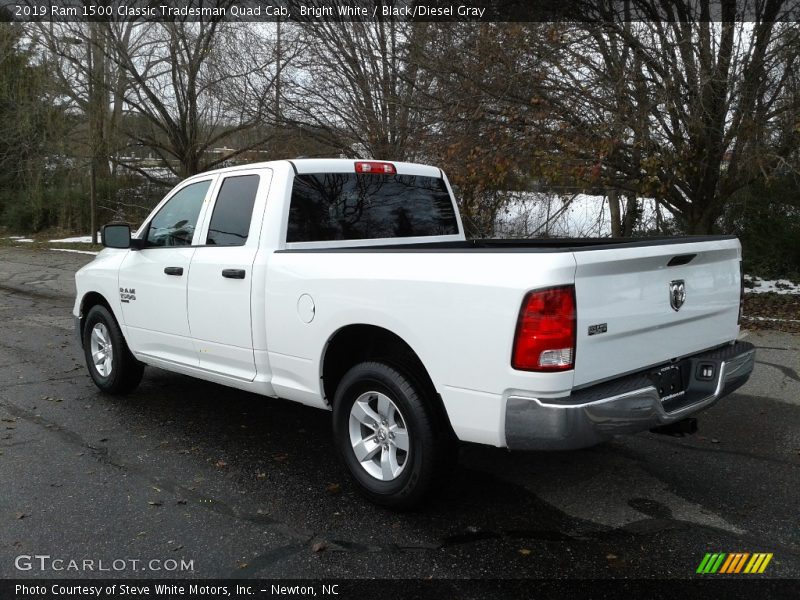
column 625, row 405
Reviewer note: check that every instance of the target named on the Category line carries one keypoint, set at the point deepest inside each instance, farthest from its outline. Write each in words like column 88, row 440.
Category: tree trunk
column 699, row 221
column 614, row 211
column 631, row 215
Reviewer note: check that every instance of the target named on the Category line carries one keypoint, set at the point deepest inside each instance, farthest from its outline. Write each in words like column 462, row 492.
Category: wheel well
column 89, row 300
column 357, row 343
column 93, row 299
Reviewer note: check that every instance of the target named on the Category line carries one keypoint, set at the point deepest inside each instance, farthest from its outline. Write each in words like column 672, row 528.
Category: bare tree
column 357, row 87
column 485, row 99
column 93, row 85
column 687, row 110
column 193, row 87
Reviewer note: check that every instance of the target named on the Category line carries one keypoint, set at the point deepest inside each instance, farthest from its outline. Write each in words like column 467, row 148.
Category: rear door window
column 233, row 211
column 351, row 206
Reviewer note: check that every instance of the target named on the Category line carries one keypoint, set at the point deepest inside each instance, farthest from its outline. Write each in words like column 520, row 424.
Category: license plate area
column 671, row 382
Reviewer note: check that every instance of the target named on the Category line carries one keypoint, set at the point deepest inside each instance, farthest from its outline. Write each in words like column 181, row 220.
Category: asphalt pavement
column 189, row 479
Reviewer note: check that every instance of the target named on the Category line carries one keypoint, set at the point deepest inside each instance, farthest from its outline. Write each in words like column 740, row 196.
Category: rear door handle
column 173, row 271
column 233, row 273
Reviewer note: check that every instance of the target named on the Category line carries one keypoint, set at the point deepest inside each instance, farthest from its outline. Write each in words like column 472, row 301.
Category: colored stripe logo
column 734, row 562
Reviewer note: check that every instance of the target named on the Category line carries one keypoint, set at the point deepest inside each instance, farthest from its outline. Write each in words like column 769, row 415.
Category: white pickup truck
column 350, row 286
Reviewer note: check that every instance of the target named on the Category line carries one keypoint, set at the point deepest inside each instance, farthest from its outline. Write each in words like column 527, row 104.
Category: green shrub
column 766, row 217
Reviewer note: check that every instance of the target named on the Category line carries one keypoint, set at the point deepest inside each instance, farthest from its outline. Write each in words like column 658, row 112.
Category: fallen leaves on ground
column 769, row 306
column 615, row 561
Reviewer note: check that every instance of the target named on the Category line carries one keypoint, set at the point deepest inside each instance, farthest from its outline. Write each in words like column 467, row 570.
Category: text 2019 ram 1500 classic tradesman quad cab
column 349, row 285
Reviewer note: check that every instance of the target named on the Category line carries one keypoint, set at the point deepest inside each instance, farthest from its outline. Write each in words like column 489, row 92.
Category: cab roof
column 331, row 165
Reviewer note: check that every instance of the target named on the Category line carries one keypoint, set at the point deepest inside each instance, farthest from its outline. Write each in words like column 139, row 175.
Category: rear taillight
column 741, row 293
column 545, row 338
column 375, row 167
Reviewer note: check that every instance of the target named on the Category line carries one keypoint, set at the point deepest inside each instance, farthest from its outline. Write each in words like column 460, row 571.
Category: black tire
column 125, row 371
column 432, row 448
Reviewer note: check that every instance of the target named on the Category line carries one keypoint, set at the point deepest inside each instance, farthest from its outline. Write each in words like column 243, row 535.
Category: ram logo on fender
column 127, row 294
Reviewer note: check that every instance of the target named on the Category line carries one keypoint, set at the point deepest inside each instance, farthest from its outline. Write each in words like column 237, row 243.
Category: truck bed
column 623, row 289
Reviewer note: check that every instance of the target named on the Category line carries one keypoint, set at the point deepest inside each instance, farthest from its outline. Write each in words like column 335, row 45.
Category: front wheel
column 388, row 435
column 112, row 366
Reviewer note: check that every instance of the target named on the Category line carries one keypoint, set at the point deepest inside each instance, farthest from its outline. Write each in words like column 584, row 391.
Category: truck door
column 152, row 281
column 221, row 275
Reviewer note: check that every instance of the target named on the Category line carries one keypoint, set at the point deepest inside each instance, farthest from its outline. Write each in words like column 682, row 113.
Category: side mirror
column 118, row 235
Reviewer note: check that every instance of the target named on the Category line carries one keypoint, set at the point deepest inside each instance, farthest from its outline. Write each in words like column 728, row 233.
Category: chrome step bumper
column 626, row 405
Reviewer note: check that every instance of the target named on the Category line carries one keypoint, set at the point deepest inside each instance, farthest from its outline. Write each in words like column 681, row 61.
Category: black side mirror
column 117, row 235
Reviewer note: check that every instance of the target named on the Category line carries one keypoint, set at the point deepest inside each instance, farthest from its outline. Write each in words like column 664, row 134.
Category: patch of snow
column 779, row 286
column 771, row 319
column 83, row 239
column 562, row 215
column 21, row 239
column 74, row 251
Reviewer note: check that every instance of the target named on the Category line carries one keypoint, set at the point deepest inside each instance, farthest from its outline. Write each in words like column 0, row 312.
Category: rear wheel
column 112, row 366
column 388, row 435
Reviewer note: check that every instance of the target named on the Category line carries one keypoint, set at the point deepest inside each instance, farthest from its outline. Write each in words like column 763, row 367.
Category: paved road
column 244, row 486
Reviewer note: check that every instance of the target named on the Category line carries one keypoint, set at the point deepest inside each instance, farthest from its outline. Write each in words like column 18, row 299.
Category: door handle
column 233, row 273
column 173, row 271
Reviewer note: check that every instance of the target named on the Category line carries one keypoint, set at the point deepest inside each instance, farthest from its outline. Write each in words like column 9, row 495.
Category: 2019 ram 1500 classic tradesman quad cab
column 349, row 285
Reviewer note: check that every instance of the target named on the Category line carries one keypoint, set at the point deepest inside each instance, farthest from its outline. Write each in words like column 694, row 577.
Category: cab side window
column 233, row 211
column 175, row 223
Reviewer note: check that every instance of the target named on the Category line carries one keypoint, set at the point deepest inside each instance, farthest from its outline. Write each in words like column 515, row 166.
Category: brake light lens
column 545, row 336
column 741, row 293
column 375, row 168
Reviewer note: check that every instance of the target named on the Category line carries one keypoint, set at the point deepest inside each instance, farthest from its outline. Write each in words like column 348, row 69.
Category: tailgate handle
column 233, row 273
column 681, row 259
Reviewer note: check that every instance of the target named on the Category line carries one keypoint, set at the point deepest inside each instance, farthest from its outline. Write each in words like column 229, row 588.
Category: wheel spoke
column 98, row 357
column 400, row 438
column 107, row 366
column 365, row 415
column 101, row 334
column 366, row 449
column 384, row 406
column 389, row 466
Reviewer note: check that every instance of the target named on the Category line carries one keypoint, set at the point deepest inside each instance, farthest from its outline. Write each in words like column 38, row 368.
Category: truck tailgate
column 630, row 314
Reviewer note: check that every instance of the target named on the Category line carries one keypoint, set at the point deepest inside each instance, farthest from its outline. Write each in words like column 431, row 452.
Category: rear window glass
column 350, row 206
